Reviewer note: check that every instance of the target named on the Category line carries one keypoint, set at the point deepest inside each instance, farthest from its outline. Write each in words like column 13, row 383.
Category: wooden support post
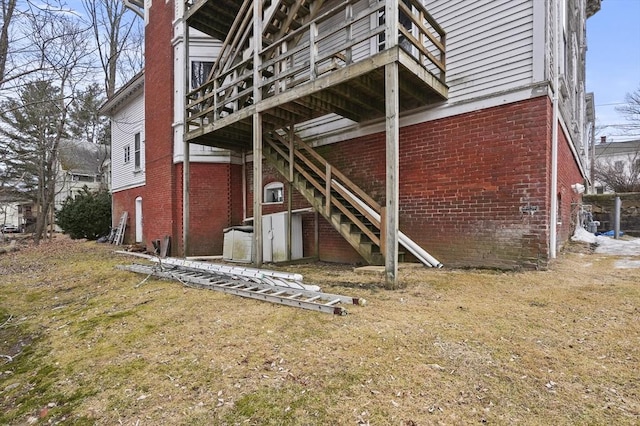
column 290, row 192
column 186, row 148
column 313, row 50
column 316, row 234
column 383, row 229
column 349, row 29
column 391, row 24
column 292, row 154
column 185, row 197
column 257, row 137
column 327, row 190
column 257, row 189
column 392, row 168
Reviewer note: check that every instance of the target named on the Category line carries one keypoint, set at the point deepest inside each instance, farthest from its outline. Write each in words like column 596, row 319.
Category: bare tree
column 631, row 110
column 16, row 50
column 620, row 175
column 36, row 120
column 8, row 7
column 117, row 36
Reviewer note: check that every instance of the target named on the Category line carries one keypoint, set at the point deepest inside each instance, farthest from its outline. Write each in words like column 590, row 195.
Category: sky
column 613, row 63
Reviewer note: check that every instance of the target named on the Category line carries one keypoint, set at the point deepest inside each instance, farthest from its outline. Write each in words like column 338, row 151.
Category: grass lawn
column 84, row 343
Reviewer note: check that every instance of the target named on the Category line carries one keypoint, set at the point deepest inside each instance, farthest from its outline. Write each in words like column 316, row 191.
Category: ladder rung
column 312, row 299
column 332, row 302
column 294, row 296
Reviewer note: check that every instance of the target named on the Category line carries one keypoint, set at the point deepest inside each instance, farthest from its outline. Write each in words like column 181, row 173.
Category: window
column 559, row 210
column 274, row 192
column 619, row 166
column 136, row 151
column 127, row 154
column 200, row 71
column 403, row 20
column 381, row 36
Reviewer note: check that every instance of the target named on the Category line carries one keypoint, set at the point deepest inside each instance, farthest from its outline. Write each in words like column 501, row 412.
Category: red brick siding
column 161, row 201
column 126, row 201
column 215, row 197
column 568, row 175
column 467, row 185
column 463, row 182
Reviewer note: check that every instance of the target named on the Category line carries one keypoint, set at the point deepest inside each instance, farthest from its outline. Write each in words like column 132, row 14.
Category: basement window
column 273, row 192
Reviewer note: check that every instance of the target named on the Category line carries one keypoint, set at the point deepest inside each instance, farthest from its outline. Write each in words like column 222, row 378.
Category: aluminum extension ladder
column 271, row 286
column 119, row 237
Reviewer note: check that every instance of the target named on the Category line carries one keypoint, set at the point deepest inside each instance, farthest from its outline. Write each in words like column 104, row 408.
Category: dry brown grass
column 91, row 346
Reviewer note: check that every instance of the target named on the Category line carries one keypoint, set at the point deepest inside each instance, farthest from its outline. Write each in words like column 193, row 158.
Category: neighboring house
column 9, row 210
column 80, row 164
column 126, row 110
column 456, row 122
column 623, row 157
column 16, row 210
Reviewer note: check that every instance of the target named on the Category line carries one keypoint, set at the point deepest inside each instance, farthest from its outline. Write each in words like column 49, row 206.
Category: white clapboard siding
column 489, row 45
column 126, row 122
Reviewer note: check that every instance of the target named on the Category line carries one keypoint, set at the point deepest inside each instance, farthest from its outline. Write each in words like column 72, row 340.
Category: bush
column 88, row 215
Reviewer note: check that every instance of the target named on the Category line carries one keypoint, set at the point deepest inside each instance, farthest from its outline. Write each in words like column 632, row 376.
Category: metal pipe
column 617, row 207
column 553, row 217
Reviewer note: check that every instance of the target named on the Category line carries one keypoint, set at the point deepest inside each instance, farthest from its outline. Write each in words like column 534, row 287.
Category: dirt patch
column 450, row 347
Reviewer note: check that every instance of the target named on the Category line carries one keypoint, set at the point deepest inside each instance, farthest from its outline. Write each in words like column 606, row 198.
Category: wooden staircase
column 233, row 68
column 343, row 204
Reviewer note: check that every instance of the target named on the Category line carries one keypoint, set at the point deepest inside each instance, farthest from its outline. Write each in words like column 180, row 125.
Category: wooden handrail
column 345, row 180
column 330, row 175
column 279, row 71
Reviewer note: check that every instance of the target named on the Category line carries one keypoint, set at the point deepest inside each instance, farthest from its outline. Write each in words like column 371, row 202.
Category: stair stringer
column 338, row 215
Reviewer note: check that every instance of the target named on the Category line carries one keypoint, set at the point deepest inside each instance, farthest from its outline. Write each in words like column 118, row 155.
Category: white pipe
column 420, row 253
column 554, row 138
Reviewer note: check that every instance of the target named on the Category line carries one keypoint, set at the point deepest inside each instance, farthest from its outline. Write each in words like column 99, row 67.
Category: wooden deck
column 308, row 68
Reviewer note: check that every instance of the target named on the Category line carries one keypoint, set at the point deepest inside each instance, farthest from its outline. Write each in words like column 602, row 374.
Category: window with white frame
column 274, row 192
column 136, row 151
column 127, row 154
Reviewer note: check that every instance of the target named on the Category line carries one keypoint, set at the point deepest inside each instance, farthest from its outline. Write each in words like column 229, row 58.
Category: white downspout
column 553, row 237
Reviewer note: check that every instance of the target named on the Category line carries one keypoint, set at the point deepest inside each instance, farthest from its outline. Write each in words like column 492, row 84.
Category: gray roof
column 83, row 158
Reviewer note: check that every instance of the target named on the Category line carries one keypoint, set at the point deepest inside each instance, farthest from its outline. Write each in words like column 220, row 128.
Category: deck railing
column 337, row 38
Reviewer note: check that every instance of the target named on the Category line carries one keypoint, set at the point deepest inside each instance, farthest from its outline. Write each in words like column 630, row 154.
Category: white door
column 267, row 238
column 139, row 220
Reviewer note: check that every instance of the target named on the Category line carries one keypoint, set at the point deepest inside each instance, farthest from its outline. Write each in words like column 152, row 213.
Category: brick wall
column 215, row 204
column 161, row 201
column 473, row 188
column 568, row 200
column 126, row 201
column 463, row 182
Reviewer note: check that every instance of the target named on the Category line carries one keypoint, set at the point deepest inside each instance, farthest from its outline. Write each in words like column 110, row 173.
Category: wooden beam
column 185, row 159
column 392, row 131
column 257, row 140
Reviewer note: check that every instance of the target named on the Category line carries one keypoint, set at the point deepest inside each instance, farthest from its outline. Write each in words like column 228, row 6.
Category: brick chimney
column 603, row 139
